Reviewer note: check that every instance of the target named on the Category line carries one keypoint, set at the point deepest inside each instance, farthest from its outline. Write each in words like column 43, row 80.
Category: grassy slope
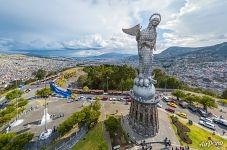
column 199, row 135
column 93, row 139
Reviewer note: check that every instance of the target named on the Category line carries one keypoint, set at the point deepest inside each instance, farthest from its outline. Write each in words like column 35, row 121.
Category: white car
column 159, row 105
column 114, row 98
column 206, row 119
column 44, row 135
column 220, row 121
column 207, row 124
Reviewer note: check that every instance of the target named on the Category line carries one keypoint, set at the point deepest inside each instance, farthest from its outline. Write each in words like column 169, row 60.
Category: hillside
column 208, row 53
column 216, row 52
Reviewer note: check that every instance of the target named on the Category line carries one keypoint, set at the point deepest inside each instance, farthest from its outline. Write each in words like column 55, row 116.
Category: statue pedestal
column 143, row 118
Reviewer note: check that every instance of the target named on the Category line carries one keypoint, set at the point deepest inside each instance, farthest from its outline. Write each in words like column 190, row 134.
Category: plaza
column 56, row 107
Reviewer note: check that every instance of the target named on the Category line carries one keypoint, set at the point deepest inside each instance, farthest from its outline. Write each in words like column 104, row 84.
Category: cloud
column 84, row 25
column 198, row 23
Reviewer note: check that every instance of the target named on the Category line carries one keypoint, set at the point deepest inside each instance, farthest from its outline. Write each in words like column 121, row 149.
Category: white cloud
column 198, row 23
column 97, row 23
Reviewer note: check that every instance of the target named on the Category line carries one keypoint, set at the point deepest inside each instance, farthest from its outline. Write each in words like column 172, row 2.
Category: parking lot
column 195, row 117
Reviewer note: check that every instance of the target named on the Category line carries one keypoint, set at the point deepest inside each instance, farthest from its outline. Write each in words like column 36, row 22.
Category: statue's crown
column 155, row 16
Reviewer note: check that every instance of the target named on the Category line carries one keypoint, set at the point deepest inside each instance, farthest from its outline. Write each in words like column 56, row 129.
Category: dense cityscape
column 206, row 75
column 21, row 67
column 113, row 75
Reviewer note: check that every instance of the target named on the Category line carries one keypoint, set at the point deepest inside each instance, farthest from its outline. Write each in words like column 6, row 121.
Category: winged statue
column 146, row 43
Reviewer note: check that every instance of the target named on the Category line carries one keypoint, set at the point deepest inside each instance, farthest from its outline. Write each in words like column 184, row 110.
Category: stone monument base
column 143, row 118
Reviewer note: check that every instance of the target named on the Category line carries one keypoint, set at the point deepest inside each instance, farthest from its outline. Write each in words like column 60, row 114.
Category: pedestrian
column 223, row 132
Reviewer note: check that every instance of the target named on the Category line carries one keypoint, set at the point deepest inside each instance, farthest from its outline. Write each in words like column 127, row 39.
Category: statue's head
column 155, row 19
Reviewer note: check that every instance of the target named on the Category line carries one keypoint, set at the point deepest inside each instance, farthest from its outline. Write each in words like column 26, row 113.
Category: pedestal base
column 17, row 122
column 143, row 118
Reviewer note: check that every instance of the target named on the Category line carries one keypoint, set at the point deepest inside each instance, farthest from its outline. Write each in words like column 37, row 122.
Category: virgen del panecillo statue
column 143, row 89
column 143, row 114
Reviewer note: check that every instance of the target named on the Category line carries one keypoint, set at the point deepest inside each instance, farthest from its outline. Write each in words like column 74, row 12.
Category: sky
column 94, row 27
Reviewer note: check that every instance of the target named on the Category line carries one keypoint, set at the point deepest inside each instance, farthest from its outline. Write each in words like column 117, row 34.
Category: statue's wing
column 132, row 31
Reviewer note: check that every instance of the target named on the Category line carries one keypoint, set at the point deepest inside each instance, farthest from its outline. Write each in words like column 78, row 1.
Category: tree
column 5, row 139
column 40, row 74
column 22, row 102
column 158, row 73
column 223, row 101
column 60, row 81
column 172, row 82
column 14, row 94
column 178, row 94
column 96, row 105
column 73, row 96
column 18, row 142
column 44, row 92
column 85, row 89
column 112, row 124
column 82, row 80
column 102, row 146
column 190, row 99
column 206, row 101
column 224, row 94
column 93, row 118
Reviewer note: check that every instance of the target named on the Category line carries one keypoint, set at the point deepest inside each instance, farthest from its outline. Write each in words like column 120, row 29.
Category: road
column 195, row 118
column 192, row 116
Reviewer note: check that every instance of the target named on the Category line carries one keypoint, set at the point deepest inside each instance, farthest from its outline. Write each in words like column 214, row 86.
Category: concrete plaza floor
column 55, row 106
column 165, row 128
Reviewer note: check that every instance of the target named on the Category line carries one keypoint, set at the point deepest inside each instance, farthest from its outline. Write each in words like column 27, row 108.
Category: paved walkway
column 165, row 130
column 73, row 140
column 105, row 133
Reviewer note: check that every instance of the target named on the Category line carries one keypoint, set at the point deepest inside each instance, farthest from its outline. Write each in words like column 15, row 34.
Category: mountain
column 218, row 50
column 175, row 51
column 116, row 56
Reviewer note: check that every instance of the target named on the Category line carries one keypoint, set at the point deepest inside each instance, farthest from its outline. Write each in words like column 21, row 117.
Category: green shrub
column 88, row 115
column 181, row 130
column 10, row 141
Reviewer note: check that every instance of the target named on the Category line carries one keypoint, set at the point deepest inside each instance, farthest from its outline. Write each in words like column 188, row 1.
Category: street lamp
column 165, row 84
column 16, row 102
column 45, row 110
column 107, row 79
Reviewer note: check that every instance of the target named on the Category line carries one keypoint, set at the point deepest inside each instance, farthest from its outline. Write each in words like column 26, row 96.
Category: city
column 113, row 75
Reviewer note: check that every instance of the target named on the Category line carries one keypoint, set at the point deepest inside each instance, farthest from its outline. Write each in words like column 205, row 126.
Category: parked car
column 129, row 100
column 44, row 135
column 183, row 104
column 220, row 121
column 114, row 98
column 166, row 99
column 122, row 99
column 203, row 113
column 192, row 108
column 127, row 97
column 159, row 105
column 89, row 98
column 69, row 101
column 27, row 90
column 172, row 104
column 207, row 124
column 183, row 115
column 104, row 98
column 82, row 97
column 206, row 119
column 170, row 110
